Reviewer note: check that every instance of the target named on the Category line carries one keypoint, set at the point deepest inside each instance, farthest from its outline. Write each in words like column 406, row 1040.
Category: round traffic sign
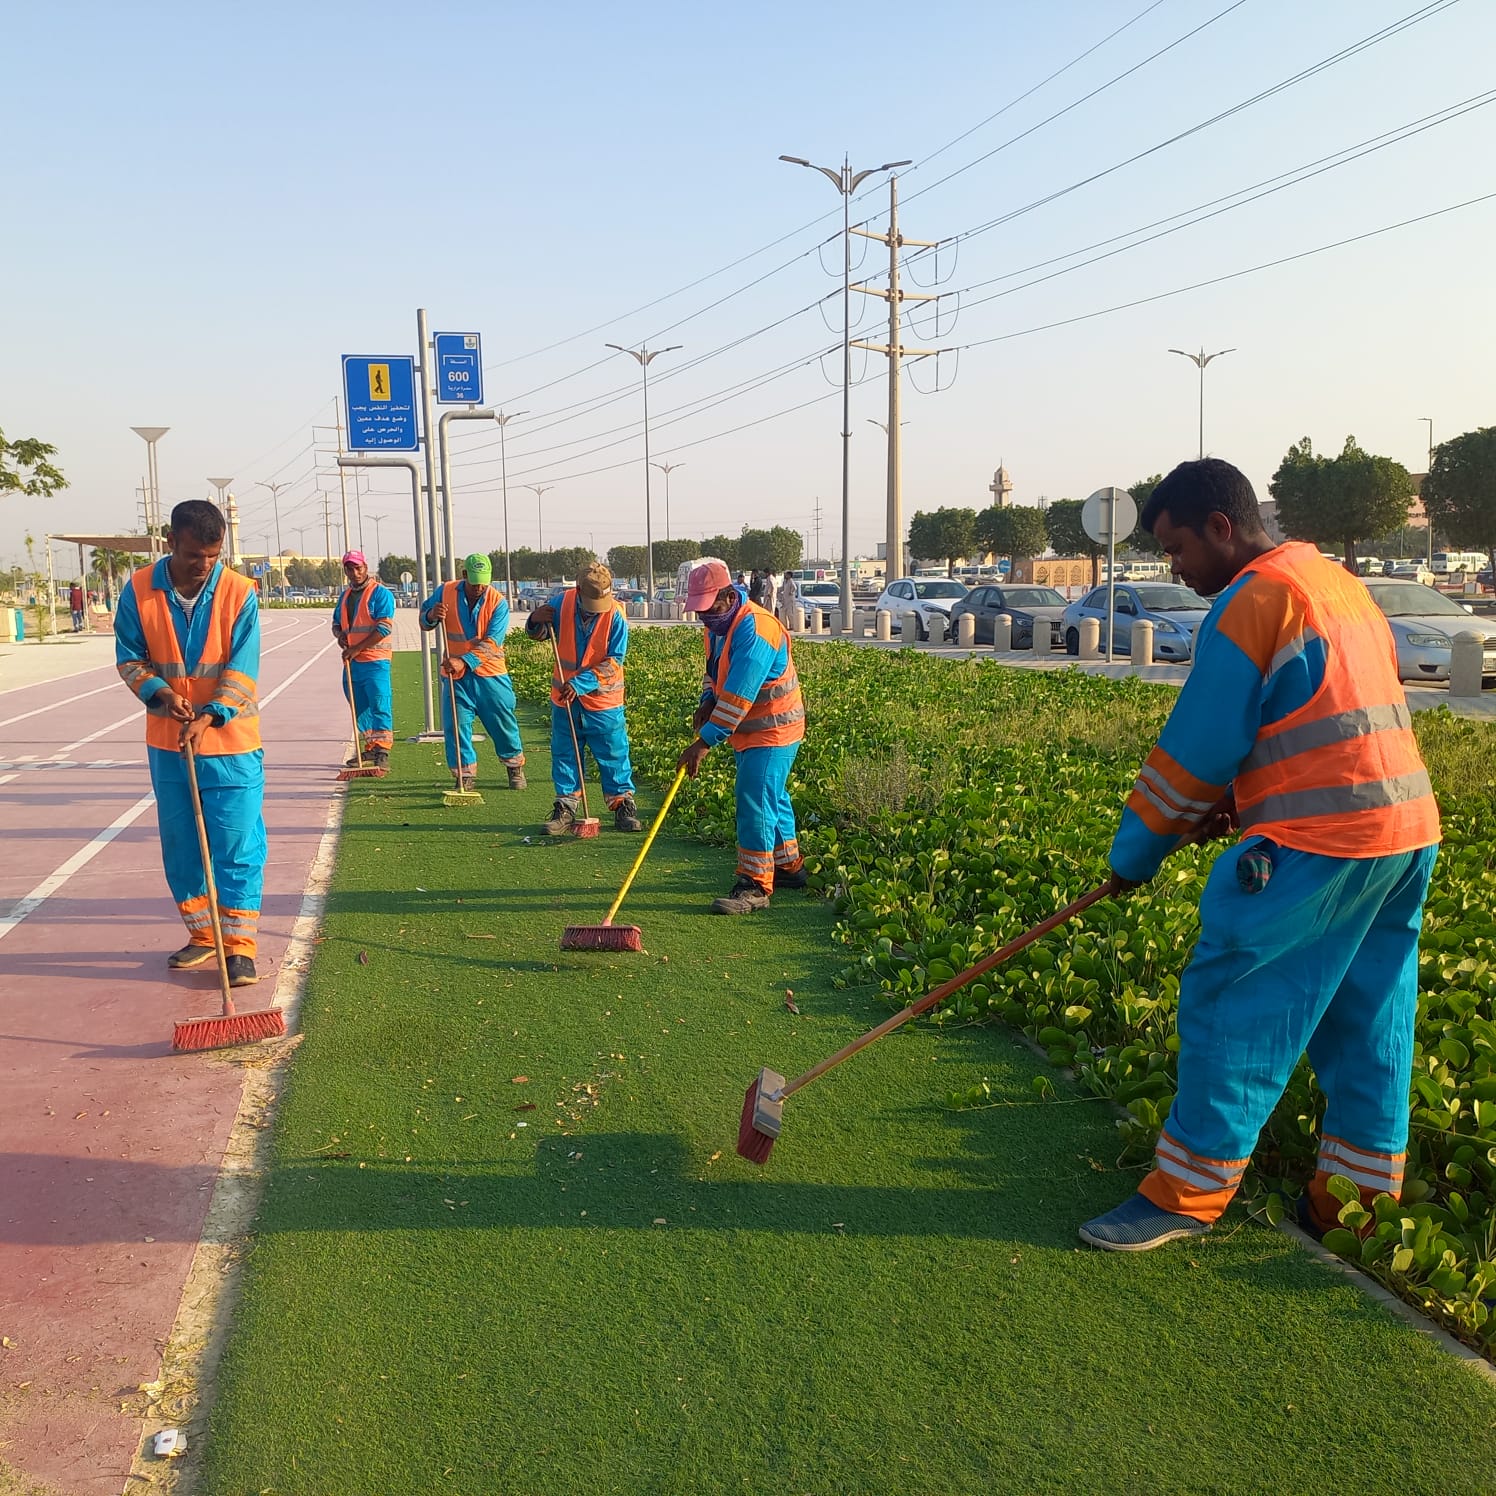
column 406, row 578
column 1109, row 509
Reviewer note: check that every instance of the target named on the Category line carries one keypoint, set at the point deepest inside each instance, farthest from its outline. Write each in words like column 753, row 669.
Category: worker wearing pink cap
column 362, row 622
column 751, row 699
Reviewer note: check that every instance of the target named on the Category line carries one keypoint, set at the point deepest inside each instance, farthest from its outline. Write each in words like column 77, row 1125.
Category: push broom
column 589, row 825
column 763, row 1105
column 456, row 796
column 360, row 770
column 228, row 1027
column 608, row 936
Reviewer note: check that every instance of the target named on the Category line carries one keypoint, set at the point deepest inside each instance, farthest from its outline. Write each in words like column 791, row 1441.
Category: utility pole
column 378, row 549
column 645, row 357
column 538, row 491
column 1199, row 360
column 815, row 519
column 327, row 527
column 1428, row 518
column 667, row 468
column 504, row 418
column 895, row 351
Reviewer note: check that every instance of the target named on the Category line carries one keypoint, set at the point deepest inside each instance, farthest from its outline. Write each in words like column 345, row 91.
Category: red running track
column 110, row 1143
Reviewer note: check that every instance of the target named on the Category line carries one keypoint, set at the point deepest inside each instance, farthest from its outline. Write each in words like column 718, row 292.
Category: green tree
column 25, row 467
column 527, row 564
column 567, row 561
column 946, row 535
column 1340, row 500
column 1067, row 536
column 726, row 548
column 1007, row 530
column 1460, row 490
column 1141, row 541
column 777, row 549
column 671, row 555
column 627, row 562
column 390, row 568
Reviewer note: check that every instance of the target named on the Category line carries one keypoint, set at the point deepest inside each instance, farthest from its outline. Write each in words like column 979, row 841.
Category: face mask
column 720, row 623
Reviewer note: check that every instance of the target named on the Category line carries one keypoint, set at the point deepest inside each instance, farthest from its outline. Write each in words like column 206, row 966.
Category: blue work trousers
column 766, row 819
column 491, row 699
column 372, row 702
column 1323, row 958
column 607, row 735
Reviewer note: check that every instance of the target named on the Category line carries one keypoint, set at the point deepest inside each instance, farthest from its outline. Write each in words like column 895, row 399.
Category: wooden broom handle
column 202, row 846
column 931, row 999
column 358, row 752
column 576, row 747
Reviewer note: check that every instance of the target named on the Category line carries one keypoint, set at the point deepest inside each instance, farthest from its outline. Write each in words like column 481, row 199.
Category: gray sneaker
column 517, row 780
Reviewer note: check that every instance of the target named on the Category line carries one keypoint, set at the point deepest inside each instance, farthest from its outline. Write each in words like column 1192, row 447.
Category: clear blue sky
column 206, row 208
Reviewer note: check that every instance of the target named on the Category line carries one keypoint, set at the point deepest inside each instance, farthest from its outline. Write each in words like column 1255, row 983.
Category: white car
column 932, row 598
column 1409, row 571
column 1424, row 623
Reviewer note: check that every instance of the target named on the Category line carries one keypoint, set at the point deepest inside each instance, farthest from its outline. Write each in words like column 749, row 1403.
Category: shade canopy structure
column 126, row 543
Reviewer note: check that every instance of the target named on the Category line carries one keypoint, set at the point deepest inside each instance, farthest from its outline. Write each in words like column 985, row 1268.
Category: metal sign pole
column 445, row 459
column 427, row 445
column 1111, row 570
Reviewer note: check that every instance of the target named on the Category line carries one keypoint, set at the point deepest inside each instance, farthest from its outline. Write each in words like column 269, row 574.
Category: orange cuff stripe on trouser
column 1372, row 1173
column 787, row 856
column 240, row 926
column 1189, row 1184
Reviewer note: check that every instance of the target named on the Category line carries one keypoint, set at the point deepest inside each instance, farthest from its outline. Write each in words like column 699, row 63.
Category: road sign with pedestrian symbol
column 381, row 394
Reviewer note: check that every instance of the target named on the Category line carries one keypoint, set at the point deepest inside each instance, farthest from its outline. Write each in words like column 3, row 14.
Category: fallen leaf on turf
column 483, row 937
column 789, row 1002
column 525, row 1106
column 660, row 1221
column 713, row 1159
column 363, row 958
column 520, row 1080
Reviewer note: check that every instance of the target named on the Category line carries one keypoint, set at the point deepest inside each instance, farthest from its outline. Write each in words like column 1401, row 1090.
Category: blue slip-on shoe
column 1138, row 1225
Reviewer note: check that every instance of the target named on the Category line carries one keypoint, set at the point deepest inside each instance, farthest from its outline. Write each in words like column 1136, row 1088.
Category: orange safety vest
column 1342, row 776
column 777, row 714
column 211, row 680
column 594, row 657
column 488, row 658
column 362, row 625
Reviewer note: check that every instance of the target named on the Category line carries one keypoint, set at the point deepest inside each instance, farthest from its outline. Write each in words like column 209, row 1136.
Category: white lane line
column 48, row 886
column 42, row 710
column 84, row 855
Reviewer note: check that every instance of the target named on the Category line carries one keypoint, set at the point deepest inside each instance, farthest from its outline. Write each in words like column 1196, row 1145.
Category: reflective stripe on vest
column 362, row 626
column 212, row 679
column 1342, row 776
column 777, row 714
column 594, row 657
column 488, row 658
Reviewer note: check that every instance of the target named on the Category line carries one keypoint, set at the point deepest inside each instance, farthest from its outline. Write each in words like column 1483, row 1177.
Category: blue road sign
column 381, row 394
column 459, row 368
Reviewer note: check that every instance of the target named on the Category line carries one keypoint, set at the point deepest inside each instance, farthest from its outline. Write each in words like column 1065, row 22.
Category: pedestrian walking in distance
column 592, row 641
column 76, row 604
column 187, row 643
column 362, row 622
column 475, row 618
column 750, row 699
column 1294, row 726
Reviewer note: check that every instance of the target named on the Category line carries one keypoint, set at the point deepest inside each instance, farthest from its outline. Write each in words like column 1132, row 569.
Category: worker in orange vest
column 592, row 641
column 475, row 619
column 751, row 699
column 1294, row 726
column 363, row 618
column 187, row 643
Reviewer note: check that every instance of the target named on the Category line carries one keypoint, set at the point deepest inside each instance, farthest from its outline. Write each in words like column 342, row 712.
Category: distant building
column 1001, row 487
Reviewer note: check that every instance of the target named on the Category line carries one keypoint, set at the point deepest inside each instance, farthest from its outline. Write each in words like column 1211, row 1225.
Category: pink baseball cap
column 704, row 583
column 355, row 558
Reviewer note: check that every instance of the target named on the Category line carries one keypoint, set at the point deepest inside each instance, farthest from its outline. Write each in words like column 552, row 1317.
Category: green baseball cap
column 478, row 567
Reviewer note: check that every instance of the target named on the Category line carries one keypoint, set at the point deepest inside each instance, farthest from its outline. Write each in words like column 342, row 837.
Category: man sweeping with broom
column 750, row 698
column 475, row 619
column 362, row 622
column 592, row 640
column 1308, row 932
column 187, row 643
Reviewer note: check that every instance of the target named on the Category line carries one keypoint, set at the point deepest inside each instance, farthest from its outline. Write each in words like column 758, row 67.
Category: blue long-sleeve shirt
column 754, row 660
column 381, row 615
column 1256, row 661
column 585, row 682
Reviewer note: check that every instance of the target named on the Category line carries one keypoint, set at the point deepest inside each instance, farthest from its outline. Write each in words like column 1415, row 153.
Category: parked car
column 1174, row 610
column 1024, row 604
column 1409, row 571
column 930, row 597
column 1424, row 623
column 821, row 595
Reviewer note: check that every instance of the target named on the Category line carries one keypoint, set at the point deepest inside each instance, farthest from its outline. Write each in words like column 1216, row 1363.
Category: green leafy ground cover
column 606, row 1299
column 956, row 802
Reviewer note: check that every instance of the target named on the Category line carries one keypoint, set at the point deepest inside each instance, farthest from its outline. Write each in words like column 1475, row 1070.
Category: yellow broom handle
column 659, row 820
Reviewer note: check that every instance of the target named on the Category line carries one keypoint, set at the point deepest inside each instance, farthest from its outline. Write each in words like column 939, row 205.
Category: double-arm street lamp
column 539, row 491
column 644, row 357
column 667, row 468
column 1200, row 360
column 503, row 418
column 846, row 181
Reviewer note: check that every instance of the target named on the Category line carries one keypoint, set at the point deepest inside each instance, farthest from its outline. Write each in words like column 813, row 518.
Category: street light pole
column 504, row 418
column 150, row 435
column 644, row 357
column 378, row 549
column 280, row 549
column 1200, row 360
column 846, row 181
column 667, row 468
column 538, row 489
column 1428, row 519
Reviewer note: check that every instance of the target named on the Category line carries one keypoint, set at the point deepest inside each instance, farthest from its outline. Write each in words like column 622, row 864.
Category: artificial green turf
column 608, row 1300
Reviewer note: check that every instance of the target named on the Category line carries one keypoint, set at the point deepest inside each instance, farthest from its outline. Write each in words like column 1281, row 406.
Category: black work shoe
column 626, row 815
column 563, row 817
column 354, row 762
column 377, row 758
column 189, row 956
column 517, row 780
column 465, row 783
column 784, row 878
column 242, row 972
column 746, row 896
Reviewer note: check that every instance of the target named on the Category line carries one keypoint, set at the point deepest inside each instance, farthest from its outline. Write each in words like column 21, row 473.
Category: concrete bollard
column 836, row 620
column 909, row 628
column 862, row 621
column 1002, row 633
column 1466, row 658
column 1090, row 638
column 1142, row 642
column 966, row 631
column 798, row 623
column 883, row 625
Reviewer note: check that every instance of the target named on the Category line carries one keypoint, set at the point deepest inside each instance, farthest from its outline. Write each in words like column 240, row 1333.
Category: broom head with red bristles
column 586, row 826
column 344, row 775
column 225, row 1029
column 763, row 1111
column 602, row 938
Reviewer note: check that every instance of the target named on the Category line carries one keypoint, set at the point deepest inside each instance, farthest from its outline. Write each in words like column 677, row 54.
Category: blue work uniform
column 484, row 689
column 603, row 729
column 365, row 618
